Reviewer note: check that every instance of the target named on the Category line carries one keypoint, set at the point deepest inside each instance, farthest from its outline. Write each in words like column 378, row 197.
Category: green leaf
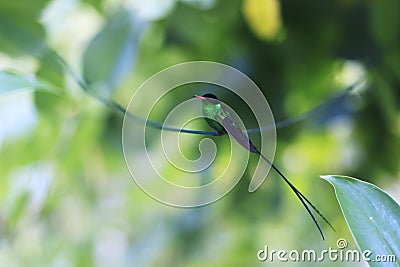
column 18, row 208
column 29, row 9
column 19, row 38
column 111, row 54
column 372, row 215
column 11, row 81
column 51, row 70
column 20, row 33
column 97, row 4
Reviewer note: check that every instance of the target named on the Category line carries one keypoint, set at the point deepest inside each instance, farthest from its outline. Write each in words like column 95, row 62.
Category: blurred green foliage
column 66, row 197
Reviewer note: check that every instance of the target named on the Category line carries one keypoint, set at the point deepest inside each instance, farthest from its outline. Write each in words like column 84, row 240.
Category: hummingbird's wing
column 238, row 134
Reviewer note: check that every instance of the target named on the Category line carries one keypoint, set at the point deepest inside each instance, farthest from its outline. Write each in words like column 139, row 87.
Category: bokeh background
column 66, row 196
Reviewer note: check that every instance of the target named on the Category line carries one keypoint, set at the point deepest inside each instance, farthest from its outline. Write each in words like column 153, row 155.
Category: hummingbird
column 218, row 118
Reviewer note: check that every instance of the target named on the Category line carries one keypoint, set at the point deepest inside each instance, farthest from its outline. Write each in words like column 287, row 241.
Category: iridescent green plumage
column 213, row 111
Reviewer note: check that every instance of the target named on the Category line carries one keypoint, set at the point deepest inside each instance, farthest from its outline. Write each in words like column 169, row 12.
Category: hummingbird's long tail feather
column 316, row 210
column 301, row 197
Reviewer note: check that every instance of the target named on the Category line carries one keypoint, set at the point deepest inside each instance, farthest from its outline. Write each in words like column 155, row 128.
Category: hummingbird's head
column 209, row 98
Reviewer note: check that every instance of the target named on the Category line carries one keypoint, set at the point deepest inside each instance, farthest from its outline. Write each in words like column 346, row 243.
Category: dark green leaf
column 20, row 33
column 110, row 56
column 21, row 38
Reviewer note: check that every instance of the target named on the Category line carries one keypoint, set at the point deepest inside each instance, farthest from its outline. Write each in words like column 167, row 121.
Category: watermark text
column 331, row 254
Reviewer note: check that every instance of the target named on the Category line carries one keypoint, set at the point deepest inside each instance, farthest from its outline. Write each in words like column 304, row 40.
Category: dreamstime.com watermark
column 331, row 254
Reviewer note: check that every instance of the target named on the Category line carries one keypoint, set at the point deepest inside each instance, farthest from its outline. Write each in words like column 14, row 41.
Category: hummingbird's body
column 214, row 111
column 222, row 122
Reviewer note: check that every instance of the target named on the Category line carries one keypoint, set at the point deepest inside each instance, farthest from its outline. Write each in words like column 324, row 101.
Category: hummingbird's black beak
column 200, row 97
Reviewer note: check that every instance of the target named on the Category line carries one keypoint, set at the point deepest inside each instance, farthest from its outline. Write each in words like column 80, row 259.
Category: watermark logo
column 160, row 168
column 341, row 243
column 340, row 253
